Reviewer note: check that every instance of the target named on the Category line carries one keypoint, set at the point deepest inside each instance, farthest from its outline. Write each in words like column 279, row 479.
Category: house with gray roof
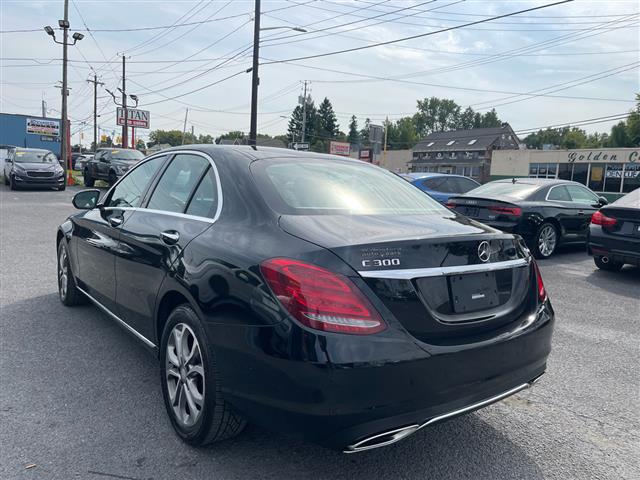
column 463, row 152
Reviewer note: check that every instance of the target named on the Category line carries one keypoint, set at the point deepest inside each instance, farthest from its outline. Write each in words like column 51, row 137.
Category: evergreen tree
column 327, row 122
column 294, row 132
column 364, row 133
column 354, row 135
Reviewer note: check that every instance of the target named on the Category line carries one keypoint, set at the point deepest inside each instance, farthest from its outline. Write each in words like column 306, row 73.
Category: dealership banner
column 340, row 148
column 135, row 118
column 43, row 126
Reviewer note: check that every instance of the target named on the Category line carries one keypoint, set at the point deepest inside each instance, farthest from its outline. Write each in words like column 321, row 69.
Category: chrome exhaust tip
column 382, row 439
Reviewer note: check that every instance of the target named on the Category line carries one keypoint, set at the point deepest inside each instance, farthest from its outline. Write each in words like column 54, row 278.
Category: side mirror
column 86, row 199
column 602, row 201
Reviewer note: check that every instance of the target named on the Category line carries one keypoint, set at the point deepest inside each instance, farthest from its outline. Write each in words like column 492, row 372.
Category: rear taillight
column 600, row 218
column 515, row 211
column 321, row 299
column 452, row 205
column 542, row 293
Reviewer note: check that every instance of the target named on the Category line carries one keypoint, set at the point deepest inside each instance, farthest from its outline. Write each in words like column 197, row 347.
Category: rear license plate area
column 473, row 292
column 471, row 211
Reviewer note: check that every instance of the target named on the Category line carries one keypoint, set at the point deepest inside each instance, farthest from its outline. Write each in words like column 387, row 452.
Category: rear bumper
column 617, row 248
column 342, row 405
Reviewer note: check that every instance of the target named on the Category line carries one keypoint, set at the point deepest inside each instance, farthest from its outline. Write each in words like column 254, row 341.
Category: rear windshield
column 126, row 155
column 329, row 187
column 514, row 190
column 631, row 200
column 34, row 156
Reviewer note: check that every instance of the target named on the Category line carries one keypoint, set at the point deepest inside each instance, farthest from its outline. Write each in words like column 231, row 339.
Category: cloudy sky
column 565, row 63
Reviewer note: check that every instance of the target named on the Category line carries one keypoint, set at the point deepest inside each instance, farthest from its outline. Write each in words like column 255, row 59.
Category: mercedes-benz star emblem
column 484, row 251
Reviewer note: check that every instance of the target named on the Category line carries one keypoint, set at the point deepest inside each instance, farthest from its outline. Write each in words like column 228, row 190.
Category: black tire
column 112, row 178
column 609, row 266
column 12, row 183
column 70, row 295
column 88, row 181
column 216, row 420
column 541, row 244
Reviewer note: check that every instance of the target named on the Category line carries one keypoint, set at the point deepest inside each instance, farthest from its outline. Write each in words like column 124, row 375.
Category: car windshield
column 508, row 189
column 126, row 155
column 33, row 156
column 329, row 187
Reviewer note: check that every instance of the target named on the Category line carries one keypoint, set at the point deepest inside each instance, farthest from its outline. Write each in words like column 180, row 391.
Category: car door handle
column 170, row 237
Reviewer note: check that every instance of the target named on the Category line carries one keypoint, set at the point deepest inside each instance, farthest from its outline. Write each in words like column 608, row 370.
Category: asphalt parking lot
column 79, row 398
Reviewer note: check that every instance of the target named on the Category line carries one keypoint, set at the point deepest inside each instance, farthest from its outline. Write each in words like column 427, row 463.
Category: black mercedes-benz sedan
column 545, row 212
column 614, row 233
column 306, row 293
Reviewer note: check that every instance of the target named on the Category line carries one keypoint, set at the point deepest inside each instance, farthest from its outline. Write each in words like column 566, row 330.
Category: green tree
column 140, row 145
column 490, row 119
column 401, row 134
column 364, row 133
column 574, row 138
column 294, row 132
column 466, row 120
column 327, row 121
column 172, row 137
column 354, row 135
column 618, row 137
column 436, row 115
column 233, row 135
column 633, row 125
column 205, row 138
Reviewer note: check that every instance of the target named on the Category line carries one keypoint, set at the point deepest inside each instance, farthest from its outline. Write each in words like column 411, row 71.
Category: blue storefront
column 30, row 131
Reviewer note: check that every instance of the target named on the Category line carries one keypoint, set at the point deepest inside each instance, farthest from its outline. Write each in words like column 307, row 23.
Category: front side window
column 128, row 192
column 581, row 195
column 177, row 182
column 327, row 187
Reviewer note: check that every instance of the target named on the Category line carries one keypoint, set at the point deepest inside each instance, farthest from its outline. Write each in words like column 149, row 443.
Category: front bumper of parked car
column 25, row 179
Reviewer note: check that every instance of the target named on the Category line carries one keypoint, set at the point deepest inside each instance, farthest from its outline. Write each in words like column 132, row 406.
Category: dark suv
column 110, row 164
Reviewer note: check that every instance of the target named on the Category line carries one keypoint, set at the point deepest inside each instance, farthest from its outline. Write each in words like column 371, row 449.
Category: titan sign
column 135, row 118
column 602, row 156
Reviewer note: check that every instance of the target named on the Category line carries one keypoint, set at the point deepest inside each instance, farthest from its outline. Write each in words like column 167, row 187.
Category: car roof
column 541, row 182
column 420, row 175
column 23, row 149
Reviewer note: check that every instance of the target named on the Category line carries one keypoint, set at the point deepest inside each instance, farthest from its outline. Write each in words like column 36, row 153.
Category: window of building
column 430, row 144
column 631, row 177
column 596, row 177
column 613, row 177
column 471, row 142
column 580, row 171
column 552, row 169
column 475, row 171
column 533, row 170
column 451, row 142
column 565, row 171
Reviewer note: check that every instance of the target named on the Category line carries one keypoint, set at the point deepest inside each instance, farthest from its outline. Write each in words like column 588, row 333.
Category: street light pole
column 125, row 127
column 255, row 80
column 64, row 130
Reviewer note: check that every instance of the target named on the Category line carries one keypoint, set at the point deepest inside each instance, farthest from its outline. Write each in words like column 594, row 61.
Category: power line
column 413, row 37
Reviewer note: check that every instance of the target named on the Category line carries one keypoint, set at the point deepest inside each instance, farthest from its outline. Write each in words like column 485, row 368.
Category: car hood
column 37, row 166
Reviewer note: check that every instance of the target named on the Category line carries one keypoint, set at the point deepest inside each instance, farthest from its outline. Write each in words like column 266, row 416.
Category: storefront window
column 596, row 177
column 565, row 170
column 613, row 177
column 631, row 177
column 580, row 171
column 533, row 170
column 475, row 171
column 552, row 169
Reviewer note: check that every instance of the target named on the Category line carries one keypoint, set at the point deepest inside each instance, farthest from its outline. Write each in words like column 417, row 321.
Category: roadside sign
column 300, row 146
column 44, row 127
column 135, row 118
column 366, row 154
column 340, row 148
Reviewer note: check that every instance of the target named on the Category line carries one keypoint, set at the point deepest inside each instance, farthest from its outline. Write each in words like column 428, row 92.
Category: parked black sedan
column 614, row 233
column 306, row 293
column 545, row 212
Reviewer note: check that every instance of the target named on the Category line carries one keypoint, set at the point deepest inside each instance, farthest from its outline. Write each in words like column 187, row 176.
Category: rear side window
column 559, row 194
column 177, row 182
column 204, row 202
column 462, row 185
column 128, row 192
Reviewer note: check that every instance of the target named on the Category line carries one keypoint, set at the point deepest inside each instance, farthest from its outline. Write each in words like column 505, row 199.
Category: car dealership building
column 610, row 171
column 30, row 131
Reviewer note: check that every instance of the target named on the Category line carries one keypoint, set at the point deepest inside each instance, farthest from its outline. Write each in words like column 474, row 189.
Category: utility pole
column 44, row 108
column 184, row 127
column 64, row 130
column 384, row 155
column 125, row 127
column 304, row 113
column 192, row 134
column 95, row 110
column 255, row 80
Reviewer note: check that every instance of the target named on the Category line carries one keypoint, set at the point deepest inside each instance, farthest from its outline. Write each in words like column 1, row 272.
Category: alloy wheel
column 547, row 239
column 185, row 375
column 63, row 273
